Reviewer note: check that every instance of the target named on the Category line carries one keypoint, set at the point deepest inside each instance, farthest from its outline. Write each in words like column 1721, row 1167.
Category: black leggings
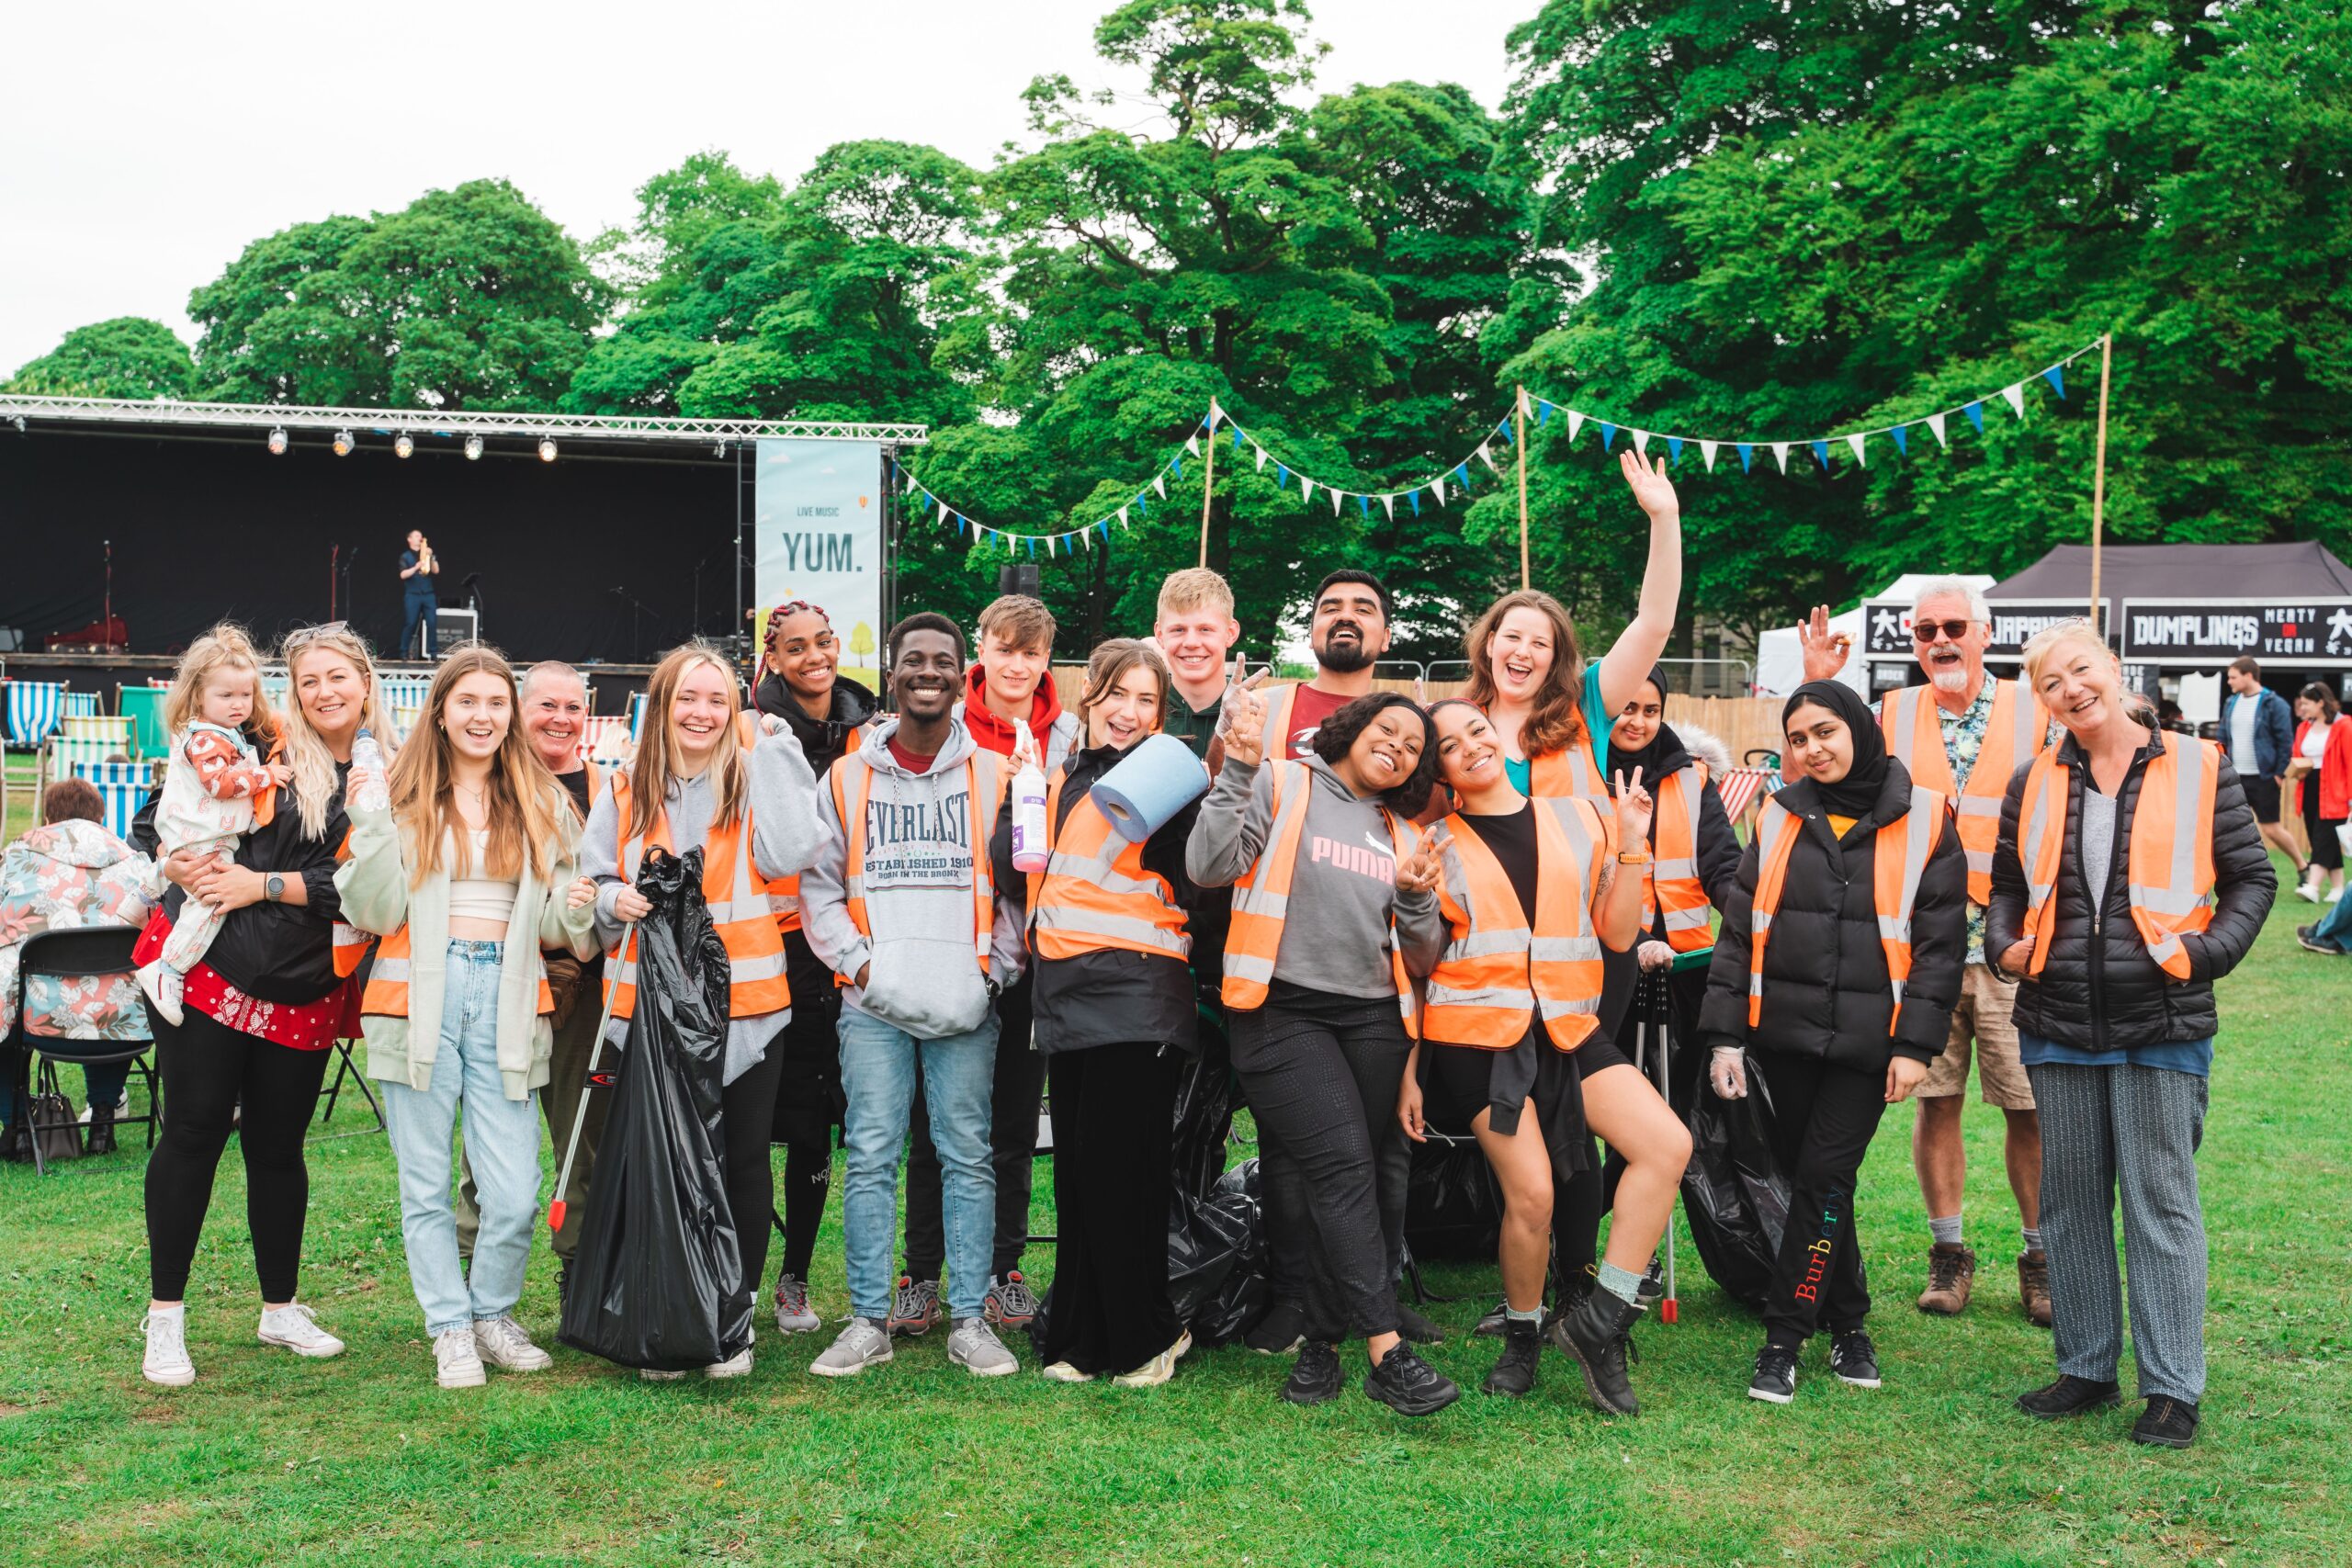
column 746, row 1116
column 1321, row 1073
column 2327, row 850
column 208, row 1070
column 808, row 1177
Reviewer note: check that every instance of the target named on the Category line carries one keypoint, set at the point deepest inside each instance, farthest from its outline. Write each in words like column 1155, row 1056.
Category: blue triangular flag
column 2056, row 377
column 1417, row 501
column 1543, row 413
column 1140, row 506
column 1747, row 456
column 1820, row 450
column 1674, row 448
column 1179, row 465
column 1503, row 430
column 1033, row 546
column 1975, row 412
column 1364, row 504
column 1608, row 433
column 1282, row 475
column 1902, row 443
column 1106, row 526
column 1462, row 474
column 1236, row 437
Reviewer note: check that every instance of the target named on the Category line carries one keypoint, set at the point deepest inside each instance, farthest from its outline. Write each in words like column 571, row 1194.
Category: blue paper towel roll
column 1150, row 786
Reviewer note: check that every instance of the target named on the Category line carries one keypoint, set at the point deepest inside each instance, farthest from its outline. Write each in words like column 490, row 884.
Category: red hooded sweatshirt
column 996, row 734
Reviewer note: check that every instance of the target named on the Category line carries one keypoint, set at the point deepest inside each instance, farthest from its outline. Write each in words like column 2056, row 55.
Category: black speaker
column 1021, row 579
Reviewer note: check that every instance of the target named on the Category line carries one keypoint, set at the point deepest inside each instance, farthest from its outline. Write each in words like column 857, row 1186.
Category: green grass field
column 363, row 1460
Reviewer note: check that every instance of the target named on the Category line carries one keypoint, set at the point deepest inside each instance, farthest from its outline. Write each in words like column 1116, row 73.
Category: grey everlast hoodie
column 919, row 847
column 1343, row 892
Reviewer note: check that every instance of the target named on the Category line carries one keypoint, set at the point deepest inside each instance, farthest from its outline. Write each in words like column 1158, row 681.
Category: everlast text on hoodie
column 925, row 975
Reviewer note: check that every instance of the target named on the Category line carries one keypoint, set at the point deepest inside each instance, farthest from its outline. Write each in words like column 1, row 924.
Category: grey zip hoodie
column 784, row 840
column 1343, row 895
column 926, row 977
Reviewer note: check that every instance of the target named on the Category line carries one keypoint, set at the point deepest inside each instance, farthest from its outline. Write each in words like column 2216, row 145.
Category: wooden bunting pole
column 1519, row 434
column 2098, row 474
column 1208, row 483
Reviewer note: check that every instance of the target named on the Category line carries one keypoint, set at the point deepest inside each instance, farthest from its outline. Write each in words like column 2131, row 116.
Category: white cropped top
column 479, row 897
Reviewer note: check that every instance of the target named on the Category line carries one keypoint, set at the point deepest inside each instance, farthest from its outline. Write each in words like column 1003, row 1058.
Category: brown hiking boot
column 2034, row 1285
column 1952, row 1273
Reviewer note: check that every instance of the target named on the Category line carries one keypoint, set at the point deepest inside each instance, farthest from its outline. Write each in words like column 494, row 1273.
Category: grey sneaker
column 1010, row 1303
column 975, row 1347
column 862, row 1345
column 914, row 1306
column 501, row 1342
column 793, row 1313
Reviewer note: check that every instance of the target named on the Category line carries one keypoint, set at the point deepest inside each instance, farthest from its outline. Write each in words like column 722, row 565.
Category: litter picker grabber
column 596, row 1049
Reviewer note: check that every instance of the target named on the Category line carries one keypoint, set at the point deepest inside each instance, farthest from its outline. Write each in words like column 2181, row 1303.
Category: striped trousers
column 2135, row 1130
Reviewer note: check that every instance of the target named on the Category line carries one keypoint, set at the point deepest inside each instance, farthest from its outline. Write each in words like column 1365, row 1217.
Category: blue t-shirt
column 2192, row 1057
column 1598, row 721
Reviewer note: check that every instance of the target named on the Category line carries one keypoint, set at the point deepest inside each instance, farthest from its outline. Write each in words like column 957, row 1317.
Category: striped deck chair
column 104, row 774
column 35, row 708
column 113, row 728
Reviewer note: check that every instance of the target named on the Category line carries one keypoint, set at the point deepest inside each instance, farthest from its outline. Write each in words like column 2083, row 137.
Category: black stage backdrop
column 210, row 526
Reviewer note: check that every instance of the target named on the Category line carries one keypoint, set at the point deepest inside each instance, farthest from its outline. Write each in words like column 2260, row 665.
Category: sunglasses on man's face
column 1925, row 631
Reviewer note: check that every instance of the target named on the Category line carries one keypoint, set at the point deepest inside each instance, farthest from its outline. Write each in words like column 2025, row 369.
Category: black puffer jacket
column 2099, row 990
column 1825, row 988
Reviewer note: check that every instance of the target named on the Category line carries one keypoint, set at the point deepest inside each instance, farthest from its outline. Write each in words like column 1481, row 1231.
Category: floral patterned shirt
column 1964, row 737
column 73, row 873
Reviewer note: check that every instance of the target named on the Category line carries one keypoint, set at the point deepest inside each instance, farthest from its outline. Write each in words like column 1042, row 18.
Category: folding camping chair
column 78, row 953
column 144, row 706
column 346, row 1066
column 111, row 729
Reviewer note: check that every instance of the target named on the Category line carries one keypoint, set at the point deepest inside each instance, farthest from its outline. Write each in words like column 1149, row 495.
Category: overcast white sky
column 148, row 143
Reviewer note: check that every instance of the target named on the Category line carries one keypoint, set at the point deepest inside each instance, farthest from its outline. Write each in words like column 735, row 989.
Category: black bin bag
column 1216, row 1258
column 1734, row 1193
column 658, row 1279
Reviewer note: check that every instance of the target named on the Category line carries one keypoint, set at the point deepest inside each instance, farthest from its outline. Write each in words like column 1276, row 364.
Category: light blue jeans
column 501, row 1146
column 878, row 1078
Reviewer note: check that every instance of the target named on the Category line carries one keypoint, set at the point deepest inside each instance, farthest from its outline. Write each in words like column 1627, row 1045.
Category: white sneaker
column 457, row 1362
column 735, row 1366
column 292, row 1328
column 1062, row 1372
column 162, row 987
column 501, row 1342
column 167, row 1361
column 2307, row 892
column 862, row 1344
column 1160, row 1369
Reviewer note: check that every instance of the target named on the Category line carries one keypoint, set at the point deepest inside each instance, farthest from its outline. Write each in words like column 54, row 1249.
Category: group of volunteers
column 1385, row 919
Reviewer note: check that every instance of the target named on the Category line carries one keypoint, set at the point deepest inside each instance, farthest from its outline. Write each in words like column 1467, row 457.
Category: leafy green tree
column 129, row 356
column 465, row 299
column 1830, row 217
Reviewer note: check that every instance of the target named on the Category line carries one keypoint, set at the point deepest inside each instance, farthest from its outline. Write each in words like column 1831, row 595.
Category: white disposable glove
column 1727, row 1072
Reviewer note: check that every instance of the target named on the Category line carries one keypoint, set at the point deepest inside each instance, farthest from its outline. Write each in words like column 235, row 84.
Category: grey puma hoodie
column 926, row 977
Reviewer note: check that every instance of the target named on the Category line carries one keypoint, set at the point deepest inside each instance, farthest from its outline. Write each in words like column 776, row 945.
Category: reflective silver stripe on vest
column 1492, row 997
column 1565, row 949
column 392, row 970
column 1120, row 927
column 1920, row 830
column 1552, row 1009
column 1979, row 805
column 1254, row 897
column 1483, row 944
column 1906, row 724
column 1773, row 822
column 759, row 966
column 2026, row 734
column 2037, row 824
column 1241, row 968
column 1679, row 869
column 1690, row 920
column 2180, row 896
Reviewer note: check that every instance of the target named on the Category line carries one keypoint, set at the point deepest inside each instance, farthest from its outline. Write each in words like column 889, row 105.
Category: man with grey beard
column 1965, row 734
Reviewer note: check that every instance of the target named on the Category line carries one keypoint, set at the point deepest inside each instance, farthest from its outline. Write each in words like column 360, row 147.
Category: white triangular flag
column 1390, row 502
column 1642, row 443
column 943, row 514
column 1856, row 442
column 1437, row 489
column 1486, row 456
column 1306, row 488
column 1336, row 494
column 1780, row 450
column 2016, row 396
column 1261, row 456
column 1159, row 483
column 1935, row 423
column 911, row 484
column 1123, row 517
column 1576, row 423
column 1192, row 444
column 1707, row 454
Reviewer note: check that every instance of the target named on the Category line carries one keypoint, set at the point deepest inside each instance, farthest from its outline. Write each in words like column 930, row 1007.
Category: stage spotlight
column 276, row 442
column 547, row 449
column 344, row 443
column 473, row 448
column 403, row 445
column 720, row 450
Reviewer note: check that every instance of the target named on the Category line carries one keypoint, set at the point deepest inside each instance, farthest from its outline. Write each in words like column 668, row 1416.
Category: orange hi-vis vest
column 386, row 995
column 741, row 904
column 2170, row 873
column 852, row 780
column 2017, row 728
column 1094, row 892
column 1568, row 772
column 1496, row 971
column 1672, row 881
column 351, row 943
column 783, row 891
column 1261, row 899
column 1900, row 860
column 1280, row 700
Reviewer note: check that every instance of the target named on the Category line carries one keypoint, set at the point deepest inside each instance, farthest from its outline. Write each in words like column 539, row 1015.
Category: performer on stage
column 419, row 566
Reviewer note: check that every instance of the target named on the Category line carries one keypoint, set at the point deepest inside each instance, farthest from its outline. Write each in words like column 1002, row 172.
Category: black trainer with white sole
column 1854, row 1358
column 1775, row 1382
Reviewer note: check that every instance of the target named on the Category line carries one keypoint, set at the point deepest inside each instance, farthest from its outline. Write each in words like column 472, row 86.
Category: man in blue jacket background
column 2260, row 734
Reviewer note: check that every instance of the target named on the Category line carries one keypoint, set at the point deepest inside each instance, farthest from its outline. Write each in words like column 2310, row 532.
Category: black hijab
column 1663, row 755
column 1858, row 792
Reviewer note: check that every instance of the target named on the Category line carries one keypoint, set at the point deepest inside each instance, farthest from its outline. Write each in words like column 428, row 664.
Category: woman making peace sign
column 1334, row 907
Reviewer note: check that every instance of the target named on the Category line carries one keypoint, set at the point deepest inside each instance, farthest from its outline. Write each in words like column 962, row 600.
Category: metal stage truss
column 435, row 422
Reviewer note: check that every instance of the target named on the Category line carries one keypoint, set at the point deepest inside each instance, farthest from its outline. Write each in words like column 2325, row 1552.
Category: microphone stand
column 635, row 609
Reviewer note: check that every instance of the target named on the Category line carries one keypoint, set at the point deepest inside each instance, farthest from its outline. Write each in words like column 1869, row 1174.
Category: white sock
column 1946, row 1231
column 2033, row 1239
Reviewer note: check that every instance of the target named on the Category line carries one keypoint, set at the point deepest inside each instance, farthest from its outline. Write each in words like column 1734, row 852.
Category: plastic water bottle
column 1029, row 819
column 377, row 794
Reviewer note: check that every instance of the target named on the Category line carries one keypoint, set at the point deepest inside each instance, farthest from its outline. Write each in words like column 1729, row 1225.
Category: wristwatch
column 274, row 889
column 1639, row 857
